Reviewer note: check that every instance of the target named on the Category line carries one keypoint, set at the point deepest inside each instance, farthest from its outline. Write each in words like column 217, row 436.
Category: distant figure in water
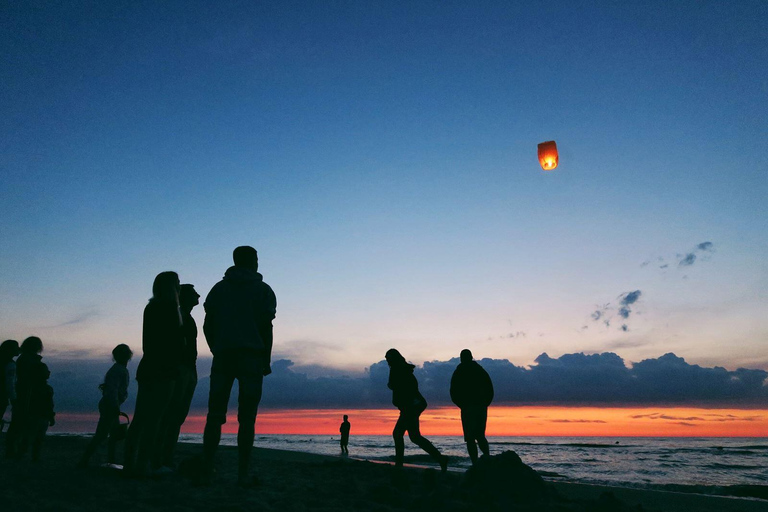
column 8, row 350
column 114, row 391
column 186, row 381
column 406, row 397
column 34, row 401
column 238, row 327
column 344, row 429
column 163, row 345
column 472, row 391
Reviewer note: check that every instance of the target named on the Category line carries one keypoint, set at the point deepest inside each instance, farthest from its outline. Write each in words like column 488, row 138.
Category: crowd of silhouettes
column 239, row 311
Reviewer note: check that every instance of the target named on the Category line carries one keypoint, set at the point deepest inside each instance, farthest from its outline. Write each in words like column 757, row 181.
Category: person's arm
column 122, row 389
column 111, row 386
column 265, row 328
column 455, row 388
column 10, row 381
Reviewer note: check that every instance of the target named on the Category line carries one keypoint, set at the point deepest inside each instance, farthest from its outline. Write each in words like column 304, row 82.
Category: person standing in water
column 406, row 397
column 344, row 430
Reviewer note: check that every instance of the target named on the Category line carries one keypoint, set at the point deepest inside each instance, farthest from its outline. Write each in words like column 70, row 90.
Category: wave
column 717, row 465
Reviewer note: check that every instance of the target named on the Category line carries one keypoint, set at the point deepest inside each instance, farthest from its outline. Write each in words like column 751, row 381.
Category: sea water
column 664, row 462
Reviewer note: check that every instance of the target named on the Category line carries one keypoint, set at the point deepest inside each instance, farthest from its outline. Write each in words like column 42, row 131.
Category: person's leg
column 12, row 434
column 178, row 410
column 250, row 377
column 157, row 405
column 222, row 378
column 482, row 420
column 466, row 426
column 397, row 435
column 107, row 421
column 39, row 428
column 422, row 442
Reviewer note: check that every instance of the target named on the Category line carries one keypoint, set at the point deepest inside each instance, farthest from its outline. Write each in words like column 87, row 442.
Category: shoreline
column 295, row 480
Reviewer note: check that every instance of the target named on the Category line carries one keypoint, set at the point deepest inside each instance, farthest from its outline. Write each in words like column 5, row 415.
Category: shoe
column 443, row 463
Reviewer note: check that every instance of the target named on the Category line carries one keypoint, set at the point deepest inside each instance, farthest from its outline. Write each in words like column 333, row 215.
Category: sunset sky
column 381, row 156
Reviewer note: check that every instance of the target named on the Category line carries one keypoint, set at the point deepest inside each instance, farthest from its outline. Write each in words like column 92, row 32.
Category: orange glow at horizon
column 502, row 421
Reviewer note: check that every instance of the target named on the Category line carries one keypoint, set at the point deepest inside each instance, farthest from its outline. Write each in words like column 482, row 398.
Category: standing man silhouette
column 344, row 430
column 239, row 311
column 472, row 391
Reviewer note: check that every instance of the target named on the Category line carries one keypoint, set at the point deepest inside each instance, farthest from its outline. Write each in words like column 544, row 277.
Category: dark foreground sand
column 292, row 481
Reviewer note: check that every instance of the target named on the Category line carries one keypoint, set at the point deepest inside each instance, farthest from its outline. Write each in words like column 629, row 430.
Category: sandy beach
column 295, row 481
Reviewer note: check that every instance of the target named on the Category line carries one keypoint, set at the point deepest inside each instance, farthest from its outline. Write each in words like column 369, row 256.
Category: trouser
column 109, row 419
column 473, row 422
column 409, row 422
column 178, row 409
column 247, row 366
column 142, row 441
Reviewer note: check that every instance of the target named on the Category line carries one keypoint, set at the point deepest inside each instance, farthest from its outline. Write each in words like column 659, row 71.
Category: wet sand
column 295, row 481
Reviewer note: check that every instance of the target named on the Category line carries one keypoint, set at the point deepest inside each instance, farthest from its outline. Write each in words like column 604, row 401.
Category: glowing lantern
column 548, row 155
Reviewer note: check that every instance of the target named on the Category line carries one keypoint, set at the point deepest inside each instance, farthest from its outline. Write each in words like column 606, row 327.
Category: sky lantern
column 548, row 155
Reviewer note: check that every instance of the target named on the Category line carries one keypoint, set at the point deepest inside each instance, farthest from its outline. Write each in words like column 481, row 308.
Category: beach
column 296, row 481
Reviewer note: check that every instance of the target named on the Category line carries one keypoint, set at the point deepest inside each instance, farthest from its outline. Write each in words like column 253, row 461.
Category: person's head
column 466, row 355
column 166, row 287
column 32, row 345
column 188, row 297
column 122, row 353
column 9, row 349
column 246, row 256
column 394, row 357
column 346, row 417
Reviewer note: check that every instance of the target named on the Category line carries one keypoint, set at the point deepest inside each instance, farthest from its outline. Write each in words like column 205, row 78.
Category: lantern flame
column 548, row 155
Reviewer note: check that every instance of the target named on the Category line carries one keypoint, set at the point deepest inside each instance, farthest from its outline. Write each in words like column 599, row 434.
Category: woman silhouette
column 406, row 397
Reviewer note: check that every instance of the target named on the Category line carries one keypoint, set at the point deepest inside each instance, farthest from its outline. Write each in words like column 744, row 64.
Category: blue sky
column 381, row 156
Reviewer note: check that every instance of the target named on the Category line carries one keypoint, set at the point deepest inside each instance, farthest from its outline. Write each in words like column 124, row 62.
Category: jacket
column 471, row 386
column 239, row 311
column 405, row 388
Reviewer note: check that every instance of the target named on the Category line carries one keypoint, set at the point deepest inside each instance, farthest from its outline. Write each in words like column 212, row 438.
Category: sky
column 381, row 156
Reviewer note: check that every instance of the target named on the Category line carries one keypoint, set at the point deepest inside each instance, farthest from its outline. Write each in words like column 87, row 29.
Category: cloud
column 571, row 379
column 80, row 318
column 604, row 313
column 700, row 252
column 578, row 421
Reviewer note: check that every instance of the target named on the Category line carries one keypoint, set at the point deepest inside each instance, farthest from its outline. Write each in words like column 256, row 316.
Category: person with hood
column 8, row 350
column 163, row 347
column 406, row 397
column 239, row 311
column 472, row 392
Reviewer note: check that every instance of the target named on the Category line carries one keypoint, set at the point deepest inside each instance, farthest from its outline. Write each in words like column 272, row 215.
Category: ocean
column 691, row 464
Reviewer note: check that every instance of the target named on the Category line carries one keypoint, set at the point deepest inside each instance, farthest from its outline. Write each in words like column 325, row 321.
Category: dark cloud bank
column 572, row 379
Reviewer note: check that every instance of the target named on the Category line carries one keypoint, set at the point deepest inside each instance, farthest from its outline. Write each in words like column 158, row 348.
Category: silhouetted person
column 41, row 416
column 163, row 346
column 8, row 350
column 472, row 391
column 32, row 398
column 114, row 391
column 186, row 380
column 238, row 327
column 344, row 430
column 406, row 397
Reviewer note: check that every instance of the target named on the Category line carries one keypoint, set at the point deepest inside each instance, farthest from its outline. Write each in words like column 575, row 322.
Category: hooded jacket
column 239, row 311
column 471, row 386
column 405, row 388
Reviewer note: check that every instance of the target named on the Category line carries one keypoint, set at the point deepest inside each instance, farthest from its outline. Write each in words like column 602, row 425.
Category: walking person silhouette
column 406, row 397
